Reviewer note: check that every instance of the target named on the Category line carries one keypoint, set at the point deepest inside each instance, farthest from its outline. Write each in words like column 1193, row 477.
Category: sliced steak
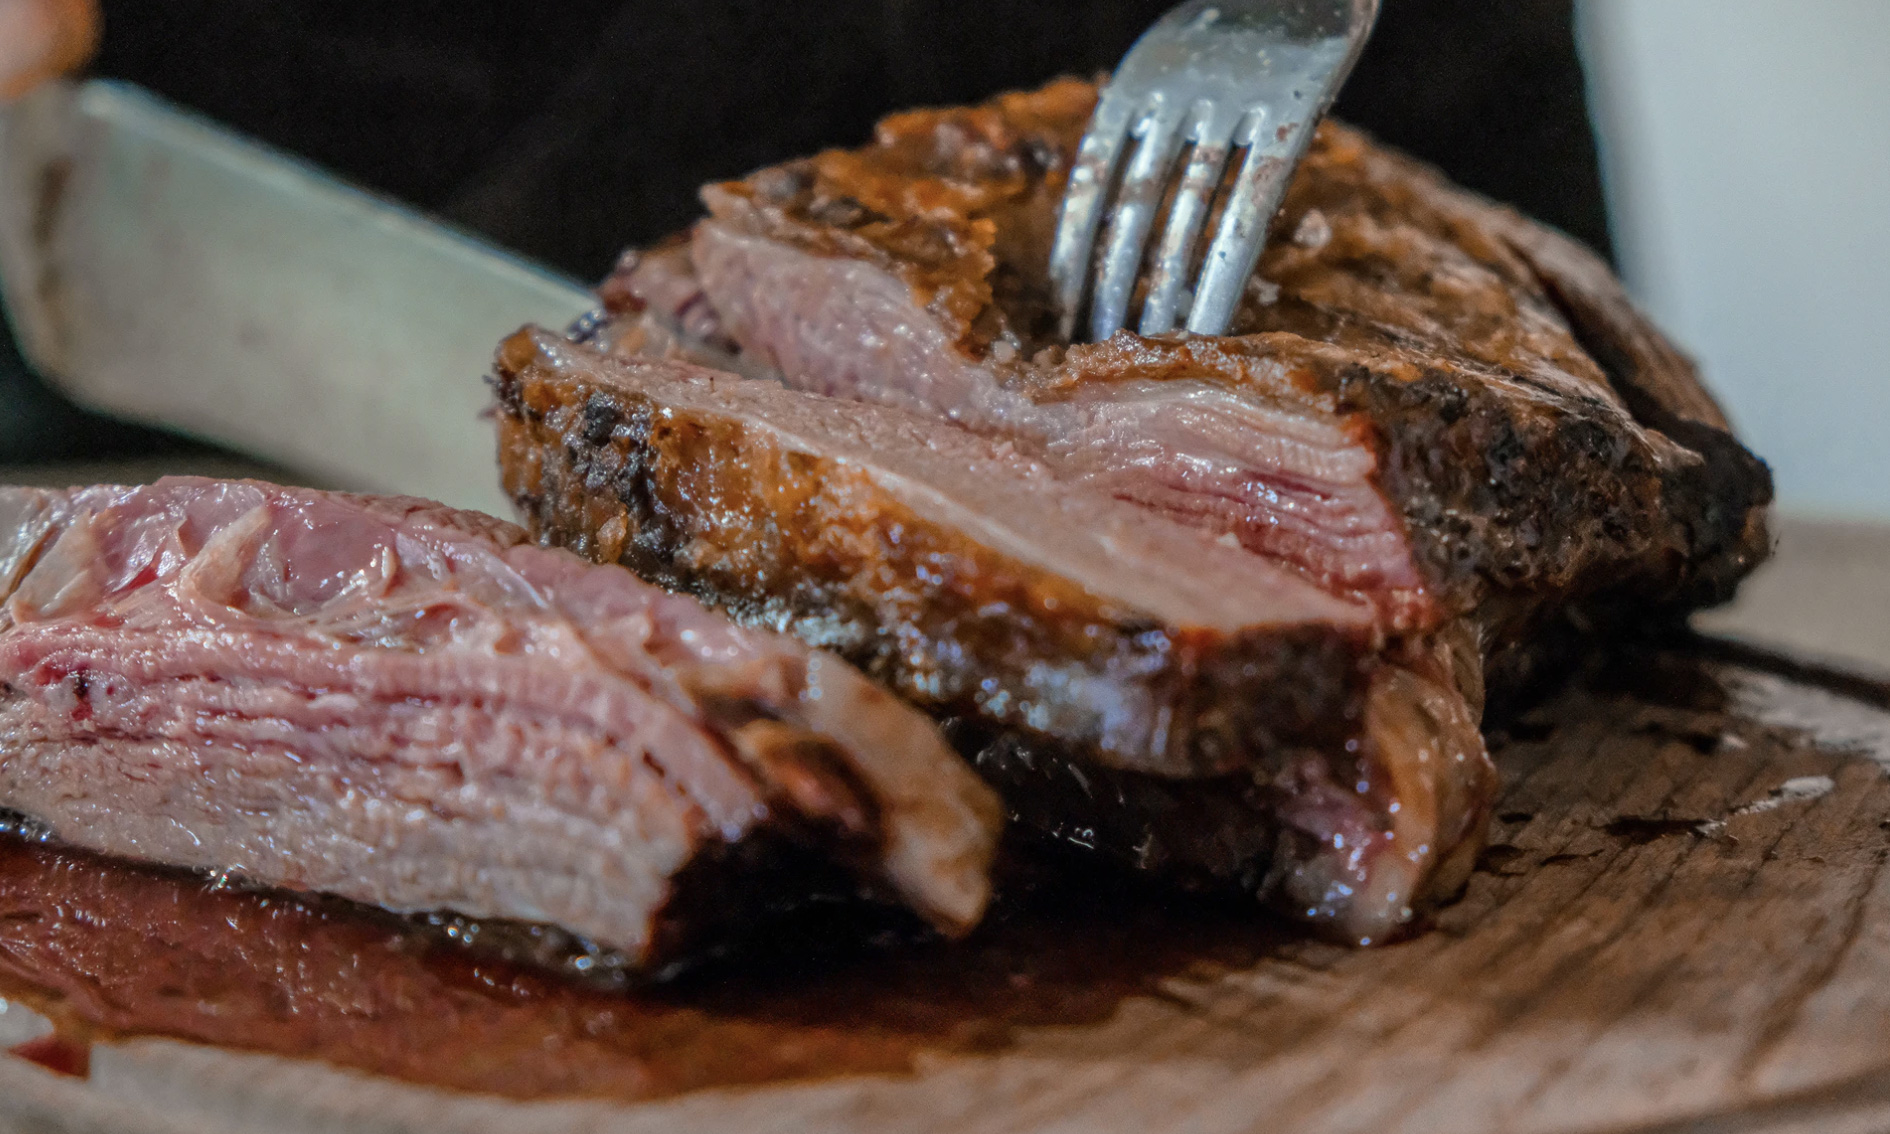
column 1432, row 410
column 1104, row 663
column 1427, row 400
column 400, row 704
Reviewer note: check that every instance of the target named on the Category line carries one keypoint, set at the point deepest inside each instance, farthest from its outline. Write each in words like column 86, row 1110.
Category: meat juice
column 110, row 951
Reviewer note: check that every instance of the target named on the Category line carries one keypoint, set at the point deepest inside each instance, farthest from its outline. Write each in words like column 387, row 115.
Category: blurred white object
column 1746, row 145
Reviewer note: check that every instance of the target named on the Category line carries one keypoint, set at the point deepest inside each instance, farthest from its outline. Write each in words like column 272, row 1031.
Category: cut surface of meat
column 1084, row 649
column 414, row 707
column 1268, row 461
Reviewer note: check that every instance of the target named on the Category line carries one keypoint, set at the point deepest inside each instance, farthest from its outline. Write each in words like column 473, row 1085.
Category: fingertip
column 42, row 39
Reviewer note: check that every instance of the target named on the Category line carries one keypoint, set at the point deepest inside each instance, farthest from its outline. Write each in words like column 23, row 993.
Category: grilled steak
column 1083, row 646
column 405, row 705
column 1431, row 410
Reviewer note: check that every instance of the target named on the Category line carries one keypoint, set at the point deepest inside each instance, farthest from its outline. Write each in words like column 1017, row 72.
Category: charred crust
column 1721, row 501
column 601, row 416
column 1502, row 495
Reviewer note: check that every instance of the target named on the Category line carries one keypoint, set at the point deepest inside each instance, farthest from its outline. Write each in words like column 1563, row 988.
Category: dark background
column 567, row 131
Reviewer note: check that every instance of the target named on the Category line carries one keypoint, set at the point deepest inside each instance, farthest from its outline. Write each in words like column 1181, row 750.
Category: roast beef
column 386, row 700
column 1103, row 663
column 1446, row 418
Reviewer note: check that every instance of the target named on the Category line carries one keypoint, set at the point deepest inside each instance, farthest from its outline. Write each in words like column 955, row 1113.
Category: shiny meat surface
column 413, row 707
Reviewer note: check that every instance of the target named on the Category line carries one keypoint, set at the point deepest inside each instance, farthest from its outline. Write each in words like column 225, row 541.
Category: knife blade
column 160, row 267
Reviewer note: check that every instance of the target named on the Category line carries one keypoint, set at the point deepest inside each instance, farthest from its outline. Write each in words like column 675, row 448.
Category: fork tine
column 1133, row 216
column 1185, row 218
column 1243, row 232
column 1082, row 208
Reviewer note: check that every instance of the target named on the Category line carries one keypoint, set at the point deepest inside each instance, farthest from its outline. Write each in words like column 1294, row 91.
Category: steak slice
column 1106, row 665
column 383, row 699
column 1427, row 400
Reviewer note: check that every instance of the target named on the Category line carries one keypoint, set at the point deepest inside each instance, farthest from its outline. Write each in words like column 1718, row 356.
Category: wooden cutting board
column 1682, row 924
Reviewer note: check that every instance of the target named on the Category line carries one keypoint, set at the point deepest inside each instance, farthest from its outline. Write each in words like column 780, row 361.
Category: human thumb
column 40, row 39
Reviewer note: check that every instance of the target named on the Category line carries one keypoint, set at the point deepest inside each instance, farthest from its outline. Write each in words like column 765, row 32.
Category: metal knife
column 162, row 268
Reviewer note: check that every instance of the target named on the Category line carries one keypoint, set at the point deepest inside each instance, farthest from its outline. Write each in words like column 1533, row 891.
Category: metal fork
column 1222, row 75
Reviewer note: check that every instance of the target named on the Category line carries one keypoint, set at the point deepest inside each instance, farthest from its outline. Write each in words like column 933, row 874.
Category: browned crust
column 1640, row 494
